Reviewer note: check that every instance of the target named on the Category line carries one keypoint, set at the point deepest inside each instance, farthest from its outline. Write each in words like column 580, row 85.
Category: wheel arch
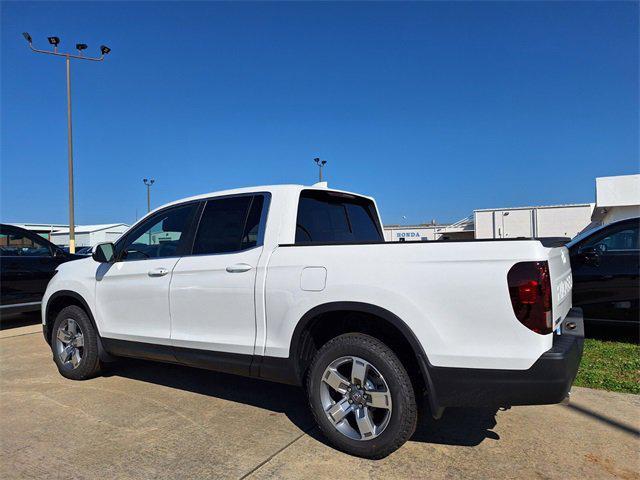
column 299, row 346
column 64, row 298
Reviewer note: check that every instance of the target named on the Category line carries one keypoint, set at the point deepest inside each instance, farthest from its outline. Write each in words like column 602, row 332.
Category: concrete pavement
column 149, row 420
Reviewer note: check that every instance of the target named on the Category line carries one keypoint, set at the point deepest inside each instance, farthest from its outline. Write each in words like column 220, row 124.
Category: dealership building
column 617, row 198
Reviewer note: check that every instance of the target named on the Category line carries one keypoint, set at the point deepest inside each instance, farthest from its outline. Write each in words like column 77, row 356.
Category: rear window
column 229, row 225
column 331, row 217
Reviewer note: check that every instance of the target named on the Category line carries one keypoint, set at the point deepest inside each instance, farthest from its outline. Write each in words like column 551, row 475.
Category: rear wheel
column 361, row 396
column 75, row 344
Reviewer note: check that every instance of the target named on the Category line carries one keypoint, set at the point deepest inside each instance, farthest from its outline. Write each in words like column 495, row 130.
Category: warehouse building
column 43, row 229
column 532, row 222
column 90, row 235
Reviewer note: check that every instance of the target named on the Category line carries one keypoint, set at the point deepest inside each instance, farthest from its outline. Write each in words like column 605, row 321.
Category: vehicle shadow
column 458, row 426
column 270, row 396
column 466, row 427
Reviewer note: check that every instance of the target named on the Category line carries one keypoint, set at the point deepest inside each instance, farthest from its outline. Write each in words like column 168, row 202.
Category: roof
column 287, row 188
column 566, row 205
column 40, row 226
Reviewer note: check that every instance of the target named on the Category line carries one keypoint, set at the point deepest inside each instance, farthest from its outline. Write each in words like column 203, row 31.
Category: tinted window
column 160, row 236
column 325, row 217
column 252, row 232
column 229, row 225
column 14, row 244
column 625, row 238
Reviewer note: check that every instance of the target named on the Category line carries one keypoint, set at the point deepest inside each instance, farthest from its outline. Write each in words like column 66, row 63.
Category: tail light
column 530, row 292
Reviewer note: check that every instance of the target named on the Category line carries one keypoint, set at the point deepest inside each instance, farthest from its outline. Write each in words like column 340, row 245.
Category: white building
column 43, row 229
column 90, row 235
column 461, row 230
column 532, row 222
column 617, row 198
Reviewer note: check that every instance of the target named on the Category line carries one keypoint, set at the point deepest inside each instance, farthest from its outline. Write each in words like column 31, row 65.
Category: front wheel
column 75, row 344
column 361, row 396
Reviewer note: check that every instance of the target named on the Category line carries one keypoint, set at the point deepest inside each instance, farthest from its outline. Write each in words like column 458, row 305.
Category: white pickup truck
column 295, row 284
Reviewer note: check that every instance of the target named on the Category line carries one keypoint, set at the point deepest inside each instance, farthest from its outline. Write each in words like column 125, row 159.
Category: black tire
column 89, row 365
column 403, row 419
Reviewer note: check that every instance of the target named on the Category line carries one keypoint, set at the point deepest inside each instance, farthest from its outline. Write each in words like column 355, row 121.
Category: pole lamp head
column 317, row 160
column 104, row 49
column 27, row 37
column 55, row 41
column 324, row 162
column 81, row 46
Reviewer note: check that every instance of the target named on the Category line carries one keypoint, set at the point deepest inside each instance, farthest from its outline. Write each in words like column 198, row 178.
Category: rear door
column 212, row 291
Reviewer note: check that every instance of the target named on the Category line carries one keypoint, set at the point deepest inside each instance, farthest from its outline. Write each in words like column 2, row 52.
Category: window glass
column 160, row 236
column 325, row 217
column 18, row 244
column 623, row 239
column 252, row 228
column 222, row 226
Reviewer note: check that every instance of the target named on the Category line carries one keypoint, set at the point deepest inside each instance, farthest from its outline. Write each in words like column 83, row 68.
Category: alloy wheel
column 70, row 344
column 356, row 398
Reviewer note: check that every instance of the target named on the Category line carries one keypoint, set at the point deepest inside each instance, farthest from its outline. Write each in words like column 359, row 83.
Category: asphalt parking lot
column 149, row 420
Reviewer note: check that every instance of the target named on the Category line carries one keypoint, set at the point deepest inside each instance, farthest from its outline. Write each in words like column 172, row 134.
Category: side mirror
column 104, row 253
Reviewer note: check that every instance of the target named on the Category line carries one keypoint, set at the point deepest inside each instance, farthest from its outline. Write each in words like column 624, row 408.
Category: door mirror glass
column 104, row 253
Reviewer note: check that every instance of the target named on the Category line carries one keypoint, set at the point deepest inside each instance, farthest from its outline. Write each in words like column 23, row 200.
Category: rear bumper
column 548, row 380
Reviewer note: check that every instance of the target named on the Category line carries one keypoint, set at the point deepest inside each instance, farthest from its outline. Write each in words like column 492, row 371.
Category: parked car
column 606, row 266
column 27, row 263
column 297, row 285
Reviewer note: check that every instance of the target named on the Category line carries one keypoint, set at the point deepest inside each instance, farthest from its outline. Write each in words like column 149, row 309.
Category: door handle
column 158, row 272
column 239, row 268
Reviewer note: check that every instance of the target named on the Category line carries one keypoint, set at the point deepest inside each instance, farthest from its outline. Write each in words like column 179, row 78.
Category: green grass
column 610, row 365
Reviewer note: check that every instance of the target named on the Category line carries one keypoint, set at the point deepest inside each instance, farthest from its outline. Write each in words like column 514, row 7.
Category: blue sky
column 433, row 108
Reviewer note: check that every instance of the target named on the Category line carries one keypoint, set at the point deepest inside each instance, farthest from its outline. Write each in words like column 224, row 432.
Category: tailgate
column 561, row 283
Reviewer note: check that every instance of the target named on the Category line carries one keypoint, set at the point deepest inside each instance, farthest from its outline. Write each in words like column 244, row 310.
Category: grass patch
column 610, row 365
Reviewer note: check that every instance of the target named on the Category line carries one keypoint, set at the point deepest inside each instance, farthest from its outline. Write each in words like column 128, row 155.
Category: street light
column 148, row 182
column 321, row 164
column 55, row 41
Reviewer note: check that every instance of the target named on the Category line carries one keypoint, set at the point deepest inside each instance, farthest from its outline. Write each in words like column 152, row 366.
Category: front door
column 132, row 294
column 605, row 273
column 212, row 296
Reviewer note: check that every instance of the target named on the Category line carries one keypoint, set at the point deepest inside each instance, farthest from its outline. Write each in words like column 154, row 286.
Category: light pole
column 321, row 164
column 148, row 182
column 104, row 50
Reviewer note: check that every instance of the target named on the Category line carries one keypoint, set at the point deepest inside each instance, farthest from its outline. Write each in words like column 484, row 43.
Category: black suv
column 27, row 263
column 605, row 264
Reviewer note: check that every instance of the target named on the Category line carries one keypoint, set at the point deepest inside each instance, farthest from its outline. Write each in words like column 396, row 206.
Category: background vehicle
column 27, row 263
column 296, row 284
column 606, row 266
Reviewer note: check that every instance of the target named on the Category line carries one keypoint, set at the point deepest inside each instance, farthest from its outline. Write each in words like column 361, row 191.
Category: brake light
column 530, row 292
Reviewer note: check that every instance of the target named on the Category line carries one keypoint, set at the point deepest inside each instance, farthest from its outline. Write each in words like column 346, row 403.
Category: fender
column 102, row 352
column 390, row 317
